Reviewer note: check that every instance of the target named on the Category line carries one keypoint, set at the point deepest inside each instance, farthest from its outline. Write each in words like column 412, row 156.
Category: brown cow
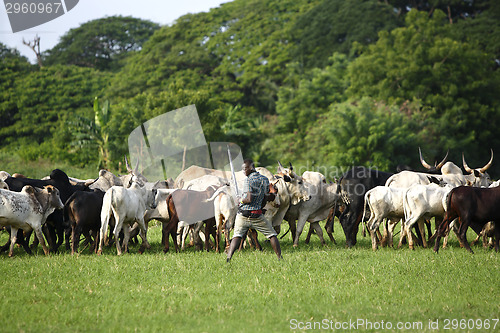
column 191, row 207
column 473, row 207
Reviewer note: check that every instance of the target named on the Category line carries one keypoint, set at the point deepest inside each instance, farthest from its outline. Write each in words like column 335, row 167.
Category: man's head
column 248, row 167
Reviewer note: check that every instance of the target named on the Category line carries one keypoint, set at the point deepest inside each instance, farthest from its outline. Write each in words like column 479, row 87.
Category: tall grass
column 199, row 292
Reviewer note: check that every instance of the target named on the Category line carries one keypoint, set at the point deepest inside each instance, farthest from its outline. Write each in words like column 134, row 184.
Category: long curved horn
column 466, row 167
column 129, row 169
column 486, row 167
column 424, row 163
column 443, row 161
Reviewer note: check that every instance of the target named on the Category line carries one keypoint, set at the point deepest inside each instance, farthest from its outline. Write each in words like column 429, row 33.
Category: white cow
column 194, row 172
column 126, row 206
column 450, row 174
column 322, row 197
column 384, row 202
column 422, row 202
column 28, row 210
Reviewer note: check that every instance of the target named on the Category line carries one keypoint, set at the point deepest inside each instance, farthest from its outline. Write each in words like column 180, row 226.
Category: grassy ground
column 200, row 292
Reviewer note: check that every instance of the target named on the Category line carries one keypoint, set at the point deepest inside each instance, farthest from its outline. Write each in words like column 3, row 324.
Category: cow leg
column 207, row 232
column 220, row 222
column 437, row 222
column 440, row 232
column 24, row 242
column 373, row 236
column 293, row 229
column 254, row 239
column 165, row 236
column 464, row 225
column 301, row 223
column 180, row 236
column 197, row 239
column 409, row 235
column 143, row 233
column 39, row 235
column 329, row 230
column 75, row 235
column 309, row 233
column 126, row 228
column 319, row 232
column 421, row 227
column 496, row 233
column 13, row 239
column 116, row 233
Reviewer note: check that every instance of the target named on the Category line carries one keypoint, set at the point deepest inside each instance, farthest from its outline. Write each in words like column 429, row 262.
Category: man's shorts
column 261, row 224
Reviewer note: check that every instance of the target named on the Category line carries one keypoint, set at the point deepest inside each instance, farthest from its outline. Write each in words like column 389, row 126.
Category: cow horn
column 466, row 167
column 424, row 163
column 90, row 182
column 443, row 161
column 280, row 167
column 291, row 167
column 129, row 169
column 486, row 167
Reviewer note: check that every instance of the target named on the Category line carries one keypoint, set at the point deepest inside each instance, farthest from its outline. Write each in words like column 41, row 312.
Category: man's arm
column 247, row 198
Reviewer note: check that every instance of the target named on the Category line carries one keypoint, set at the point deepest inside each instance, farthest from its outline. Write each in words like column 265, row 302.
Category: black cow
column 352, row 188
column 83, row 211
column 55, row 222
column 474, row 207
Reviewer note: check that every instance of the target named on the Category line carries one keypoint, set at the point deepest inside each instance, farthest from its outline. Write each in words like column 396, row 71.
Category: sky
column 163, row 12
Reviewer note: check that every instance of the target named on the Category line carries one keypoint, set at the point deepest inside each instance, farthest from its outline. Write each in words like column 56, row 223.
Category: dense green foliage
column 199, row 292
column 101, row 43
column 319, row 82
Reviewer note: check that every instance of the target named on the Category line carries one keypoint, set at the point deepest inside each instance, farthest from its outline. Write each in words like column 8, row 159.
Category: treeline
column 320, row 83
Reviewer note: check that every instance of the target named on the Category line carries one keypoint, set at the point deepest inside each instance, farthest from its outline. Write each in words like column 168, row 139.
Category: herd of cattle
column 61, row 208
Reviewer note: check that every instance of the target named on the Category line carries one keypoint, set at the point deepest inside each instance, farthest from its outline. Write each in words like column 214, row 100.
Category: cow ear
column 29, row 189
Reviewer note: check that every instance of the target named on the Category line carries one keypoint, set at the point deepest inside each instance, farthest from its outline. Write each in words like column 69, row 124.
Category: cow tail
column 447, row 201
column 406, row 211
column 219, row 191
column 66, row 219
column 105, row 216
column 364, row 211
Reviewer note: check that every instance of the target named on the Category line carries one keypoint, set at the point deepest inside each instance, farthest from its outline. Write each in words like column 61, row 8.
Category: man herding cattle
column 254, row 197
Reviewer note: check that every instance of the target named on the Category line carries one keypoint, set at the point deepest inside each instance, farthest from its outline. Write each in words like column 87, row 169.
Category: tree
column 365, row 132
column 101, row 43
column 332, row 26
column 452, row 80
column 94, row 133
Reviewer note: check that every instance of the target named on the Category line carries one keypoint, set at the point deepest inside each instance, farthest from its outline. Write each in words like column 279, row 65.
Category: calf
column 83, row 210
column 473, row 207
column 28, row 210
column 487, row 232
column 126, row 206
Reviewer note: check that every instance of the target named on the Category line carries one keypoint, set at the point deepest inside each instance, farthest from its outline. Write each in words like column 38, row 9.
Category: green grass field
column 199, row 292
